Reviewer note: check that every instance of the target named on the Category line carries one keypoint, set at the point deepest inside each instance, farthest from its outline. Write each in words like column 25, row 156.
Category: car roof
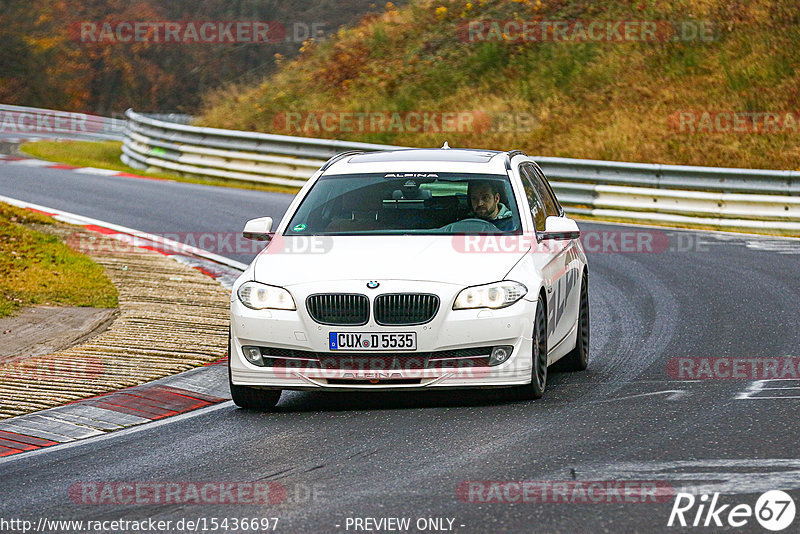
column 427, row 154
column 422, row 159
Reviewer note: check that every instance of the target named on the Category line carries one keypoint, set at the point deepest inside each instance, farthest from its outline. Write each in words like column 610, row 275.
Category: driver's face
column 484, row 202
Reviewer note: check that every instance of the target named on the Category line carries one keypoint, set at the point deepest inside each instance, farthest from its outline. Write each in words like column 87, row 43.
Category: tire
column 250, row 397
column 578, row 358
column 536, row 388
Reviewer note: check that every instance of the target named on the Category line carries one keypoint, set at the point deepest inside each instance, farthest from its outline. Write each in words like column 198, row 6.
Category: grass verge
column 105, row 155
column 37, row 268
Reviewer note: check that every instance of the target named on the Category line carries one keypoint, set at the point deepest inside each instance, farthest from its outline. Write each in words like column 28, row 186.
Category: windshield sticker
column 299, row 227
column 410, row 175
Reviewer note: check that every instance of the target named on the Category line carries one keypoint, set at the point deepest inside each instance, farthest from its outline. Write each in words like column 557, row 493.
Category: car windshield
column 407, row 203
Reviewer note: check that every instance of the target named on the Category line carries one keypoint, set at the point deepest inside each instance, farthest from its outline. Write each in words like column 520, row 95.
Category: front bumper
column 449, row 330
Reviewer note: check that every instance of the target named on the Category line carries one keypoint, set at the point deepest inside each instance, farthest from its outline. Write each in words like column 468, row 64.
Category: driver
column 485, row 199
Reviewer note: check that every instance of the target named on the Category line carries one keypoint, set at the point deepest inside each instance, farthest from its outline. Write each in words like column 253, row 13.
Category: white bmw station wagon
column 412, row 270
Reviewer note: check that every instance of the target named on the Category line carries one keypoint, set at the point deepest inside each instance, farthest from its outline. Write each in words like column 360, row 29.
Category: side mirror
column 258, row 229
column 560, row 228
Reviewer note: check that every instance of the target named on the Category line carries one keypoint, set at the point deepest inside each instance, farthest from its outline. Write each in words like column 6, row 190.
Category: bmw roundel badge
column 372, row 284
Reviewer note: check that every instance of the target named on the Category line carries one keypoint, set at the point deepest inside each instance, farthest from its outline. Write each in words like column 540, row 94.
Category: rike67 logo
column 774, row 510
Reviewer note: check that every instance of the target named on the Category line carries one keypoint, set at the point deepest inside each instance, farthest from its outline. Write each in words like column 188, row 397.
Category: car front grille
column 404, row 309
column 339, row 309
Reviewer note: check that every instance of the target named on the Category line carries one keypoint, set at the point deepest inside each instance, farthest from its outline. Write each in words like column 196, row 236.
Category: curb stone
column 141, row 346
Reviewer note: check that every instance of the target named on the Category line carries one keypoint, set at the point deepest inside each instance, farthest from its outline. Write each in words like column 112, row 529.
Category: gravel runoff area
column 171, row 318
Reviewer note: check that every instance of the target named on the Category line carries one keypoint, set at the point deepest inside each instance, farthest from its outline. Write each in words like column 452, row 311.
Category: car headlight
column 495, row 296
column 261, row 296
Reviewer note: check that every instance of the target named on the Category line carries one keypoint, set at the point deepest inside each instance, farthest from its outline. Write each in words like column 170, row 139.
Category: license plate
column 354, row 341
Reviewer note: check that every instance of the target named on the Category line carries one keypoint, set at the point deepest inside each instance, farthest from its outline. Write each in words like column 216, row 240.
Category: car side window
column 551, row 205
column 536, row 206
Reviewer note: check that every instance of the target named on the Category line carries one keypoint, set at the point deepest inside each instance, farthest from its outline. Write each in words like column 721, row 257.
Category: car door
column 566, row 293
column 546, row 255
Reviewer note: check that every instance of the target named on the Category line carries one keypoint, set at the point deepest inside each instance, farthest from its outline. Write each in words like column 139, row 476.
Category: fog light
column 500, row 354
column 253, row 355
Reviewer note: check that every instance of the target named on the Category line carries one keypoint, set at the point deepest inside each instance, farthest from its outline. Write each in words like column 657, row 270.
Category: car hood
column 290, row 260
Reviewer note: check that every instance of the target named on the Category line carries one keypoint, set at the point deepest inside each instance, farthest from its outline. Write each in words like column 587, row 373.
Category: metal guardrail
column 232, row 154
column 19, row 121
column 742, row 199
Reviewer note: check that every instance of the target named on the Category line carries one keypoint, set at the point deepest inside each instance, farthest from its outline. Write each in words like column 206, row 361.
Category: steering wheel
column 471, row 225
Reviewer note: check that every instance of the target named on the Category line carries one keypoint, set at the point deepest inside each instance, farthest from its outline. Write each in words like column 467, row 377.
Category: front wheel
column 536, row 388
column 250, row 397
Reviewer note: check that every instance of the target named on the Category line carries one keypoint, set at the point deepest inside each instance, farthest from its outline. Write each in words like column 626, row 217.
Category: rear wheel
column 536, row 388
column 578, row 358
column 250, row 397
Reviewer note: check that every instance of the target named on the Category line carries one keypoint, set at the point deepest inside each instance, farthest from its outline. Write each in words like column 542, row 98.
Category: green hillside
column 716, row 85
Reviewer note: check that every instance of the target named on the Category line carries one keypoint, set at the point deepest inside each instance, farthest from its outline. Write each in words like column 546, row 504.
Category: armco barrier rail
column 256, row 157
column 742, row 199
column 25, row 122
